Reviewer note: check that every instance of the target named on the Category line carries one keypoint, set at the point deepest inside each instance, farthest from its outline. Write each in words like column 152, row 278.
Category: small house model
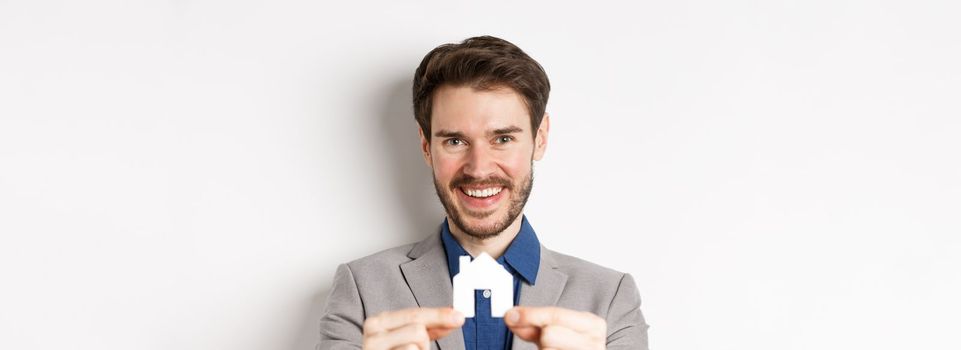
column 483, row 273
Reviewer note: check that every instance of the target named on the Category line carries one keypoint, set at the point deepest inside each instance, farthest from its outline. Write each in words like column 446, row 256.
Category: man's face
column 481, row 152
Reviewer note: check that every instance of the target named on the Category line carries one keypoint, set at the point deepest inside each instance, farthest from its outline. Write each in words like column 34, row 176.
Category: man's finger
column 525, row 316
column 440, row 332
column 429, row 317
column 561, row 338
column 410, row 347
column 530, row 334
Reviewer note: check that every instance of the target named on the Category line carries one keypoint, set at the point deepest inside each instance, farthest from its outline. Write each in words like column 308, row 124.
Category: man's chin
column 481, row 233
column 485, row 228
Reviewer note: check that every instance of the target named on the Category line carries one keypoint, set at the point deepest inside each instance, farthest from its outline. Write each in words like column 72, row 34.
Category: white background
column 188, row 174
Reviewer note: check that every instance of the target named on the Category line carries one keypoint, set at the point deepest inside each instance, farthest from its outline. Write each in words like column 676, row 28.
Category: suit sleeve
column 341, row 326
column 626, row 327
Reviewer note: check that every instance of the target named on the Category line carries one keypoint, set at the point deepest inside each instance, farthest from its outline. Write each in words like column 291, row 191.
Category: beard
column 518, row 200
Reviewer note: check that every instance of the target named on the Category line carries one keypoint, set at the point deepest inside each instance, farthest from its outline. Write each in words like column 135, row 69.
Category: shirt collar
column 523, row 255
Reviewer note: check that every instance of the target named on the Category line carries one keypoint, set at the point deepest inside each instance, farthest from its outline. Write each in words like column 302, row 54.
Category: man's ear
column 540, row 141
column 424, row 147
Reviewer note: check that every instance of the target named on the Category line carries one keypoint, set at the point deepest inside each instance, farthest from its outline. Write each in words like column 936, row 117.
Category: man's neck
column 494, row 246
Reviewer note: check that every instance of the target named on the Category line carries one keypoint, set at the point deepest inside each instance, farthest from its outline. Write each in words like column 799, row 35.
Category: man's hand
column 557, row 328
column 410, row 329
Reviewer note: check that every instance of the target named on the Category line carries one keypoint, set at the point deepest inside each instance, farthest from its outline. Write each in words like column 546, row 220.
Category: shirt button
column 487, row 293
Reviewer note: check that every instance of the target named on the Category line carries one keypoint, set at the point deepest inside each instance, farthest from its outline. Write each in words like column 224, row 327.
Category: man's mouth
column 481, row 198
column 482, row 192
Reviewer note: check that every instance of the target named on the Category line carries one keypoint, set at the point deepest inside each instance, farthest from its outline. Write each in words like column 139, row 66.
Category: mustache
column 467, row 180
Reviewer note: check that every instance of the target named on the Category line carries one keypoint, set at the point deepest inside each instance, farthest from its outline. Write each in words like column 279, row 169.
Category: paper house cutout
column 483, row 273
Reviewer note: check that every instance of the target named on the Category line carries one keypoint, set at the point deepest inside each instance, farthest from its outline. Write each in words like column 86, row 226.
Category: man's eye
column 455, row 142
column 505, row 139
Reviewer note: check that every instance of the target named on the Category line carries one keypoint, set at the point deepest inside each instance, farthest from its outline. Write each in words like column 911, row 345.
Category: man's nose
column 480, row 163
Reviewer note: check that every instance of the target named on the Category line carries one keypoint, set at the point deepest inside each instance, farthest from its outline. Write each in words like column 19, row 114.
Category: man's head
column 481, row 107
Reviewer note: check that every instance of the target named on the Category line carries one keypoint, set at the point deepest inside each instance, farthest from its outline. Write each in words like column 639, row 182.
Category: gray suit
column 416, row 275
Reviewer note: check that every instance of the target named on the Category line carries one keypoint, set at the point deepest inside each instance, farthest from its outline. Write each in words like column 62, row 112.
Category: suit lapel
column 545, row 292
column 429, row 280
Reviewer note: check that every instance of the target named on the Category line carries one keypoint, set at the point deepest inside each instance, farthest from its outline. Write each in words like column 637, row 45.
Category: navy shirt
column 522, row 259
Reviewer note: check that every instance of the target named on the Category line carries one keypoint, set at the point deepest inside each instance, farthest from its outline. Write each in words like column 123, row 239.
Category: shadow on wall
column 413, row 185
column 412, row 190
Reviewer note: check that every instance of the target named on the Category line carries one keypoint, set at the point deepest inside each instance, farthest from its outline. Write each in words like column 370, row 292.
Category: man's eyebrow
column 505, row 131
column 448, row 133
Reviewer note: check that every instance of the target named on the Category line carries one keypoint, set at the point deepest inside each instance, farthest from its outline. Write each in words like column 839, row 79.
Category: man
column 481, row 107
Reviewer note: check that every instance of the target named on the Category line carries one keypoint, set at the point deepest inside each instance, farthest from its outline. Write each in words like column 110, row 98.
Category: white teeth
column 483, row 193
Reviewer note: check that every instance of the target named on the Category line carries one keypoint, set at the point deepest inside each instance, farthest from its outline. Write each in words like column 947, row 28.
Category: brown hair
column 483, row 63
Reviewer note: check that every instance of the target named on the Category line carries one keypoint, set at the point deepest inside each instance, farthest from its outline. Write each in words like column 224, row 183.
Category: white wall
column 188, row 174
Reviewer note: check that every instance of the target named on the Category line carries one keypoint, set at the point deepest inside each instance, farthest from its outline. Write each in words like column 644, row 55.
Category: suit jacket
column 416, row 275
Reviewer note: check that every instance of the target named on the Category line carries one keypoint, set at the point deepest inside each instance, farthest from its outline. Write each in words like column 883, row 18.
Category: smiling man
column 480, row 105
